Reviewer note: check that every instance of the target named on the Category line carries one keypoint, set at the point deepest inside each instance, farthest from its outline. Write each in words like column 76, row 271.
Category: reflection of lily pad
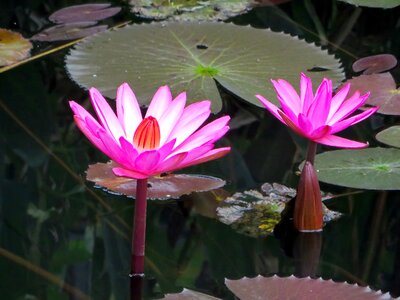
column 188, row 56
column 165, row 187
column 390, row 136
column 184, row 10
column 13, row 47
column 383, row 91
column 84, row 12
column 256, row 214
column 374, row 3
column 277, row 288
column 69, row 31
column 371, row 168
column 375, row 63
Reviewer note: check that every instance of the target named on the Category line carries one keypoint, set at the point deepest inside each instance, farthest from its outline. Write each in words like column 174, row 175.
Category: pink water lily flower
column 166, row 139
column 318, row 117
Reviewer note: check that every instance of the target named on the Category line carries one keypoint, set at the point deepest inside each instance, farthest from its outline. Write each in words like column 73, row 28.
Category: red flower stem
column 311, row 151
column 139, row 229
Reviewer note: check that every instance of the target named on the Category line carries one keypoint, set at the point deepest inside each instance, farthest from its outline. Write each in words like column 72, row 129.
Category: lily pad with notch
column 375, row 64
column 371, row 168
column 163, row 187
column 191, row 56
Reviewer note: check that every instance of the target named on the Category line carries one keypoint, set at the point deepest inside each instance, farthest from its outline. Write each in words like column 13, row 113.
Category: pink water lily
column 318, row 117
column 166, row 139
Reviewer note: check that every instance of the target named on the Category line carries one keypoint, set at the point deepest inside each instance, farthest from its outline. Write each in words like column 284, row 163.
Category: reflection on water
column 62, row 239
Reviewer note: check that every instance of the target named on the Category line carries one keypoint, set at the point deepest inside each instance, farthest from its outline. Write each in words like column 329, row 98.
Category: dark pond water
column 61, row 238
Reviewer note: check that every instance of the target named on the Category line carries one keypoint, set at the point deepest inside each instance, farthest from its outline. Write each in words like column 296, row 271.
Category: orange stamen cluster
column 147, row 135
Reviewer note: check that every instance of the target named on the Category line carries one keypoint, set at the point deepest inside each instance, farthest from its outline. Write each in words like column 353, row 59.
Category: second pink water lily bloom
column 167, row 138
column 318, row 116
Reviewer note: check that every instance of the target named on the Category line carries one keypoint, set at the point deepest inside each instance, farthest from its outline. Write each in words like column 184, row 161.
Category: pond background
column 53, row 219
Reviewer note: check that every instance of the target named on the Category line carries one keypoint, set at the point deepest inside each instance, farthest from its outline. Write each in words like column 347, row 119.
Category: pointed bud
column 308, row 215
column 147, row 135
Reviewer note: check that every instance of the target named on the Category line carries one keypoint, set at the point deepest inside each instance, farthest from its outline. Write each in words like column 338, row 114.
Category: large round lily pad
column 371, row 168
column 189, row 56
column 390, row 136
column 374, row 3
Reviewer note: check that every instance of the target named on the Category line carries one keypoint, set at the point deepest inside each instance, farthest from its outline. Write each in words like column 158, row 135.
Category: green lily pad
column 390, row 136
column 189, row 56
column 184, row 10
column 372, row 168
column 256, row 214
column 374, row 3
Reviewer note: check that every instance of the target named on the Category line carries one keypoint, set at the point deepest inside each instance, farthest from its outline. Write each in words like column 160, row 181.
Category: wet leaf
column 13, row 47
column 165, row 187
column 256, row 214
column 374, row 3
column 383, row 91
column 375, row 63
column 291, row 287
column 390, row 136
column 189, row 56
column 84, row 12
column 70, row 31
column 183, row 10
column 189, row 295
column 371, row 168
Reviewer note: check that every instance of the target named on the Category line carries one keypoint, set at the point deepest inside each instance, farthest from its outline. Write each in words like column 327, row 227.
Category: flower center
column 147, row 135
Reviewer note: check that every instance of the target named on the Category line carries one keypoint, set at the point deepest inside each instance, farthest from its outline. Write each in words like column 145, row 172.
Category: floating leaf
column 390, row 136
column 371, row 168
column 291, row 287
column 189, row 56
column 383, row 91
column 13, row 47
column 375, row 63
column 256, row 214
column 84, row 12
column 165, row 187
column 374, row 3
column 70, row 31
column 183, row 10
column 189, row 295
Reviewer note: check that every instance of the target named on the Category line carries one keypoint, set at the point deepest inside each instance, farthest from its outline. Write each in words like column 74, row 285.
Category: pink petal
column 320, row 132
column 88, row 133
column 196, row 153
column 271, row 107
column 305, row 124
column 288, row 95
column 160, row 102
column 306, row 93
column 172, row 163
column 211, row 155
column 353, row 120
column 113, row 149
column 130, row 152
column 171, row 116
column 338, row 100
column 292, row 125
column 105, row 114
column 166, row 150
column 193, row 116
column 207, row 134
column 147, row 161
column 348, row 107
column 128, row 110
column 129, row 173
column 287, row 110
column 319, row 109
column 336, row 141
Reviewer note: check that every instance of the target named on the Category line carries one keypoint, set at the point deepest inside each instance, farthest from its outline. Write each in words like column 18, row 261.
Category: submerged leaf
column 13, row 47
column 184, row 10
column 69, row 31
column 276, row 288
column 84, row 12
column 375, row 63
column 390, row 136
column 256, row 214
column 190, row 56
column 383, row 91
column 164, row 187
column 371, row 168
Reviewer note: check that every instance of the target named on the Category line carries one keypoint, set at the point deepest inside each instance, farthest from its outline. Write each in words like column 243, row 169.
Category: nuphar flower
column 166, row 139
column 318, row 117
